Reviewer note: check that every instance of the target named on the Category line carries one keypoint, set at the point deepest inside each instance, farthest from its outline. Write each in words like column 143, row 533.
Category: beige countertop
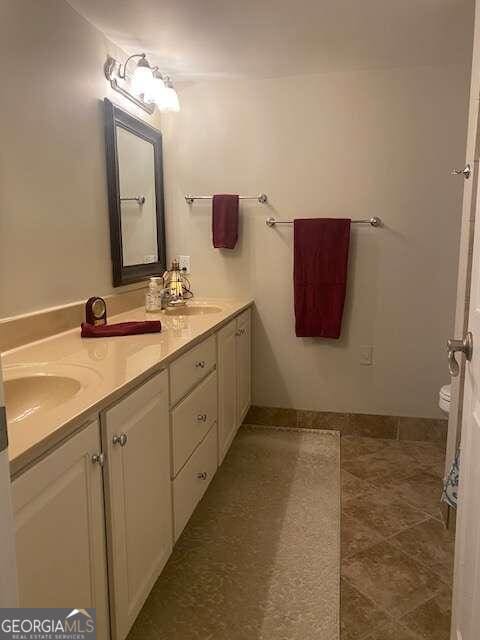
column 104, row 368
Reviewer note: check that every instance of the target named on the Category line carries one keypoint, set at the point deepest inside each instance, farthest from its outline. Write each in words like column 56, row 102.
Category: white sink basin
column 26, row 396
column 192, row 310
column 34, row 389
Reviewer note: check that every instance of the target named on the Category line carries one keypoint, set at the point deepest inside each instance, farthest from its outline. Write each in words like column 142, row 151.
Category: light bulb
column 169, row 98
column 156, row 89
column 142, row 78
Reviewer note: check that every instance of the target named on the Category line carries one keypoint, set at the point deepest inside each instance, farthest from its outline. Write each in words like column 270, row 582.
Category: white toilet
column 444, row 398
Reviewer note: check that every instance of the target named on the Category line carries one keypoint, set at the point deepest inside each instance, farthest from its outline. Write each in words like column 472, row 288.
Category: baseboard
column 359, row 424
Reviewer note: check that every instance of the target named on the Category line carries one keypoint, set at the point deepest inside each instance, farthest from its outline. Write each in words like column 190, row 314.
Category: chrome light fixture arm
column 109, row 69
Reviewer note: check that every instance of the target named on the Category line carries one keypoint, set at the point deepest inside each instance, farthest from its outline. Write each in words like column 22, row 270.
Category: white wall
column 346, row 144
column 54, row 229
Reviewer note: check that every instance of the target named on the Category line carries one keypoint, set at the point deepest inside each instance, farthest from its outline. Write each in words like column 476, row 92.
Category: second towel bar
column 374, row 222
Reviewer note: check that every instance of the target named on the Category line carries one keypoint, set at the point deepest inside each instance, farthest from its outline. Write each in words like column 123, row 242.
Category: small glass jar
column 153, row 297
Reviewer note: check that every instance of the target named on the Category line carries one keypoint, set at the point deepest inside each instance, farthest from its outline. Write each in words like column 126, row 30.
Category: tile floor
column 397, row 556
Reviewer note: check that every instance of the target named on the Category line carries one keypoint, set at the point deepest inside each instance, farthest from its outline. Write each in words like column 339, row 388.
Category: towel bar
column 261, row 198
column 374, row 222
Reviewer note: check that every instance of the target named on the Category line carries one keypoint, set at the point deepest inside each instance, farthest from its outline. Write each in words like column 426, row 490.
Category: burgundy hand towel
column 320, row 275
column 225, row 221
column 120, row 329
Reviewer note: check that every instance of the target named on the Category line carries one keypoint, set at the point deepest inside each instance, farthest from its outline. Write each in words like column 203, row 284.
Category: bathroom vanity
column 105, row 480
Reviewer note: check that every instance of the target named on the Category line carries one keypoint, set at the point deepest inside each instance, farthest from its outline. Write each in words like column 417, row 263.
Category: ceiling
column 268, row 38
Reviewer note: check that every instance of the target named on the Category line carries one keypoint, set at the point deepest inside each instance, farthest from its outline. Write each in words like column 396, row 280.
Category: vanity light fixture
column 147, row 87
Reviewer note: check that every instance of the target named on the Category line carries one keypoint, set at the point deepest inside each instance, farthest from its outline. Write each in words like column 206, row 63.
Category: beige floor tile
column 431, row 621
column 358, row 615
column 357, row 536
column 390, row 578
column 423, row 490
column 353, row 486
column 431, row 544
column 392, row 631
column 354, row 446
column 383, row 512
column 380, row 467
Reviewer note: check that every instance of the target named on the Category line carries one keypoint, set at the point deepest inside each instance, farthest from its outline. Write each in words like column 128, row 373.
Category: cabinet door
column 244, row 365
column 227, row 387
column 139, row 504
column 59, row 530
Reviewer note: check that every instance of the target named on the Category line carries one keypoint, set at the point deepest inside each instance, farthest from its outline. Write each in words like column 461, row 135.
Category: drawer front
column 193, row 480
column 192, row 420
column 192, row 367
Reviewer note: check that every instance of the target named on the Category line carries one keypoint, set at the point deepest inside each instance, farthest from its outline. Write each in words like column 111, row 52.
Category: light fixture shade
column 142, row 80
column 155, row 92
column 169, row 100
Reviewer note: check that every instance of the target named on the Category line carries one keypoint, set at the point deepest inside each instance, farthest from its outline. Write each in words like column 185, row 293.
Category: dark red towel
column 120, row 329
column 320, row 275
column 225, row 221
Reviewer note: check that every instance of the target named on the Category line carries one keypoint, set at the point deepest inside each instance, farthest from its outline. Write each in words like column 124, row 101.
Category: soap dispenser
column 153, row 297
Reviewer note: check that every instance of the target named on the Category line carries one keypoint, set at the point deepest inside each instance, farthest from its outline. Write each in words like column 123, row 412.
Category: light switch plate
column 184, row 262
column 366, row 355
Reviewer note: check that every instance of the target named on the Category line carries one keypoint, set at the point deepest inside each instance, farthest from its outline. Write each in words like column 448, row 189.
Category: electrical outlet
column 366, row 355
column 184, row 262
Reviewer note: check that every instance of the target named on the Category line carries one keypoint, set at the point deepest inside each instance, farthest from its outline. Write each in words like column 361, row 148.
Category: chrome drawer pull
column 202, row 417
column 121, row 439
column 200, row 364
column 202, row 476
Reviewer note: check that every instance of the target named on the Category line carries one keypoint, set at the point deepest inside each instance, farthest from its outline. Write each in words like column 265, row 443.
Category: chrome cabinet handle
column 202, row 417
column 121, row 439
column 202, row 476
column 200, row 364
column 98, row 458
column 466, row 172
column 464, row 346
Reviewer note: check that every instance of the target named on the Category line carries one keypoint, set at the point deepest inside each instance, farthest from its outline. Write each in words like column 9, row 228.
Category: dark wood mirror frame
column 122, row 275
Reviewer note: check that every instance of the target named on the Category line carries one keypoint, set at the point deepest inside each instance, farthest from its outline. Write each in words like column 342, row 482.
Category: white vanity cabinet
column 116, row 494
column 138, row 497
column 234, row 379
column 59, row 529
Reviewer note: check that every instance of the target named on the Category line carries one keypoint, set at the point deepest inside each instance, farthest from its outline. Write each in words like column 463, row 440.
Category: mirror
column 135, row 195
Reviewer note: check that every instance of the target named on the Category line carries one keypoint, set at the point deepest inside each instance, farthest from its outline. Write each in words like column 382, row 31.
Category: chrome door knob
column 98, row 458
column 466, row 172
column 202, row 476
column 464, row 346
column 121, row 439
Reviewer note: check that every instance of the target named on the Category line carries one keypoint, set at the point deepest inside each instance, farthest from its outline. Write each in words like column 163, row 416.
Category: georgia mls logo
column 47, row 624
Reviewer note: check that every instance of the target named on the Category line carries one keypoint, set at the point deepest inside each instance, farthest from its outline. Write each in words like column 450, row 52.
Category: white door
column 8, row 574
column 139, row 502
column 466, row 593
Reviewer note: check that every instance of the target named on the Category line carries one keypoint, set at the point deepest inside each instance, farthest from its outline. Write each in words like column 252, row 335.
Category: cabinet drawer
column 193, row 480
column 192, row 367
column 192, row 420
